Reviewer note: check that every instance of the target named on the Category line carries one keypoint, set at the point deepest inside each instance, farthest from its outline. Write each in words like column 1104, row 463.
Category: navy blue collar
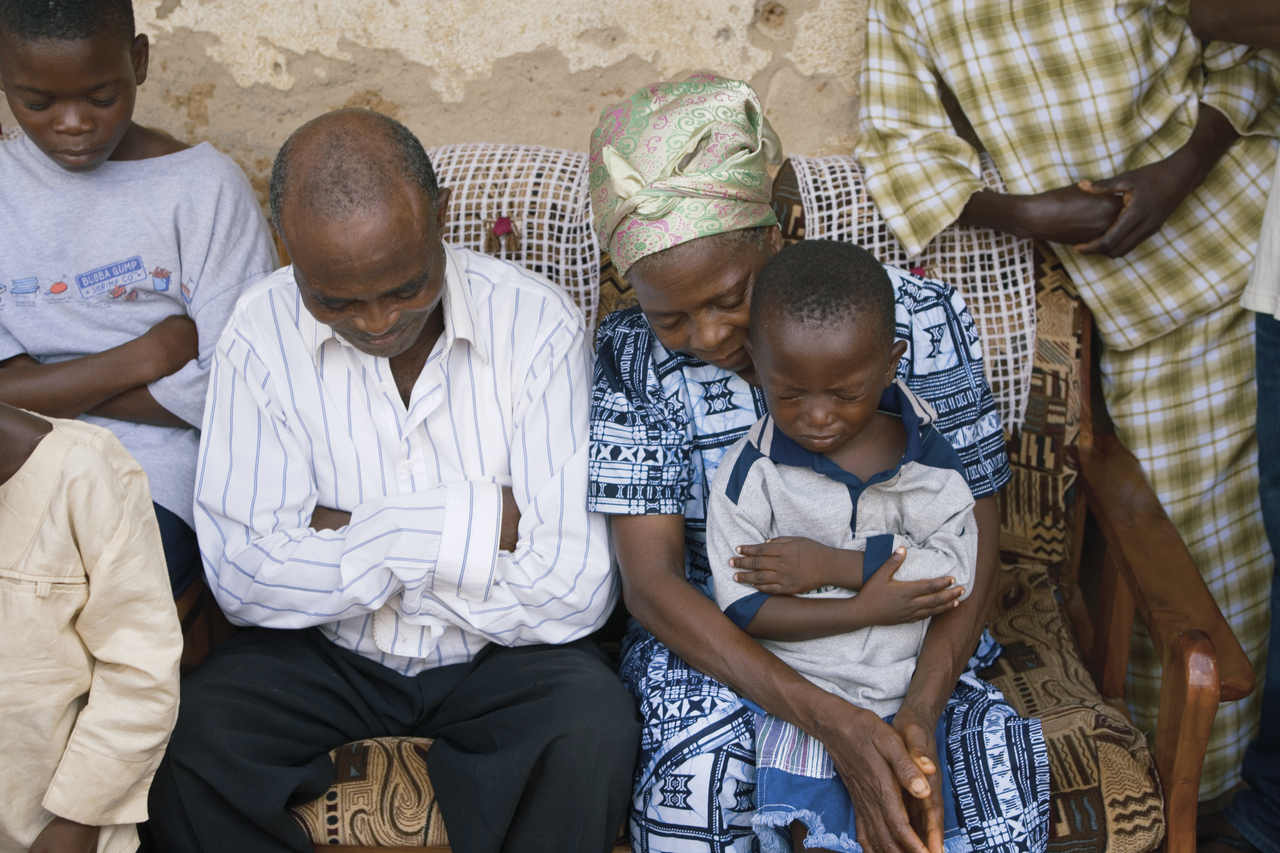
column 781, row 449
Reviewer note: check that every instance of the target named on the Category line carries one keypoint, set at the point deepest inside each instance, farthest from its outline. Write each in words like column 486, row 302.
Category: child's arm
column 130, row 627
column 227, row 248
column 882, row 601
column 66, row 836
column 68, row 389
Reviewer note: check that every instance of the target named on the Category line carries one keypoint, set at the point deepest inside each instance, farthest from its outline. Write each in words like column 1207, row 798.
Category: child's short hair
column 822, row 282
column 66, row 20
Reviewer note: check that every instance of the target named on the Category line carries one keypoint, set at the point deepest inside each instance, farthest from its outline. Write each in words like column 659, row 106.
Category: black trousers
column 535, row 746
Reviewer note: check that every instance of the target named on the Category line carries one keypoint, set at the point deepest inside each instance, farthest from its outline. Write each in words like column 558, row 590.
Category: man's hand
column 324, row 518
column 510, row 533
column 1067, row 215
column 1151, row 195
column 170, row 344
column 876, row 767
column 789, row 565
column 66, row 836
column 885, row 601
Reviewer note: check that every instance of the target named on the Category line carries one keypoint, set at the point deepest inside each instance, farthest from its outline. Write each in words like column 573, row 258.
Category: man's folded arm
column 255, row 493
column 557, row 585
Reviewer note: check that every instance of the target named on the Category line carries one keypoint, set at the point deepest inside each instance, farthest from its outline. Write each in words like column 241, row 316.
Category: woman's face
column 697, row 297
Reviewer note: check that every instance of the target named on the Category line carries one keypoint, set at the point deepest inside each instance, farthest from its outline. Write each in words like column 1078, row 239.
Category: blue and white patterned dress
column 660, row 423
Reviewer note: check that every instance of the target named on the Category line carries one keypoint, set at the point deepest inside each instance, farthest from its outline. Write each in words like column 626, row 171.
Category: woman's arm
column 869, row 755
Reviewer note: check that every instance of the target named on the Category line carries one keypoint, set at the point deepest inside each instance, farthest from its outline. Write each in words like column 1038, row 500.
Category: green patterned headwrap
column 678, row 161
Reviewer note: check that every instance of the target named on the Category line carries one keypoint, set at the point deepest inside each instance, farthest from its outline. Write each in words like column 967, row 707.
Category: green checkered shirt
column 1064, row 90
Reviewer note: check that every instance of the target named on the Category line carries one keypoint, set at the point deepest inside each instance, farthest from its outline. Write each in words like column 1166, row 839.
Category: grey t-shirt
column 768, row 486
column 89, row 261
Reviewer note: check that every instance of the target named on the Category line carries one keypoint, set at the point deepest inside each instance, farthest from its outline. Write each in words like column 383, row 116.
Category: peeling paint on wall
column 243, row 74
column 461, row 39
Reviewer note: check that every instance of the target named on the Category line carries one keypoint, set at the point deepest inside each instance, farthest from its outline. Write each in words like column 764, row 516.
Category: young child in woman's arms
column 847, row 458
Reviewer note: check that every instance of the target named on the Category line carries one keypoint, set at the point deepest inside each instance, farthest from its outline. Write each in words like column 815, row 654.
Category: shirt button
column 383, row 386
column 405, row 464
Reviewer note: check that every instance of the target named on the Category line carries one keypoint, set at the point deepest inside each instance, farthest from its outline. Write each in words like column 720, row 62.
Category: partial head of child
column 70, row 71
column 822, row 339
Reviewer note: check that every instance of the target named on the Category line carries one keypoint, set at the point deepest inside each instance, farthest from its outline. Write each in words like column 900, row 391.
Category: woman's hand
column 66, row 836
column 877, row 769
column 927, row 813
column 885, row 601
column 790, row 565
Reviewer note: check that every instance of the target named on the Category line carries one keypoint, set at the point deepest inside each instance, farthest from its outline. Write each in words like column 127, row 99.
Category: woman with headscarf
column 680, row 194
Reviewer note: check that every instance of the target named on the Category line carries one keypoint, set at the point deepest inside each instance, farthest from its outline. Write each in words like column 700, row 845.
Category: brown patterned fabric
column 1102, row 779
column 381, row 797
column 615, row 292
column 1033, row 507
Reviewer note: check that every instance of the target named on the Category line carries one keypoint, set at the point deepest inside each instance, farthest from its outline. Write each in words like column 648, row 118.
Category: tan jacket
column 89, row 640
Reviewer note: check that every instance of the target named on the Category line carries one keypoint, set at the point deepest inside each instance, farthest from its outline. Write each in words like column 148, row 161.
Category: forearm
column 788, row 618
column 953, row 636
column 67, row 389
column 693, row 627
column 138, row 406
column 1211, row 139
column 997, row 211
column 1251, row 22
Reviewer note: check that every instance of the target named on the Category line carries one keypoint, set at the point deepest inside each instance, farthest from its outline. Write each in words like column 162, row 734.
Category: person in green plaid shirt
column 1144, row 156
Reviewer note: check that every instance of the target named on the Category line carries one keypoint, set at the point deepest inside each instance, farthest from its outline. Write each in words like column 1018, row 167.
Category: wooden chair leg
column 1113, row 631
column 1069, row 582
column 1189, row 694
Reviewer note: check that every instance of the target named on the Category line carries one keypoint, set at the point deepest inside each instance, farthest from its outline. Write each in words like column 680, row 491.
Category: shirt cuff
column 1244, row 94
column 97, row 790
column 742, row 611
column 879, row 548
column 468, row 556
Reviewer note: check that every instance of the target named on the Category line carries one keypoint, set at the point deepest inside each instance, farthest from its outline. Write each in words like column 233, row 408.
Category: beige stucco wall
column 244, row 73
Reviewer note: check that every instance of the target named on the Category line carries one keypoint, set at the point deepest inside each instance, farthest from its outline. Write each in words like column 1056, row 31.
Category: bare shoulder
column 20, row 432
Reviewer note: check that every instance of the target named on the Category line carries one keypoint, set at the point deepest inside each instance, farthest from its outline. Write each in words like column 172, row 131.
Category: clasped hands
column 876, row 761
column 1110, row 217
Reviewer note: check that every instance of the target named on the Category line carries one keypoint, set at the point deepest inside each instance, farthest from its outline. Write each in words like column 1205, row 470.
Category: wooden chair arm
column 1167, row 588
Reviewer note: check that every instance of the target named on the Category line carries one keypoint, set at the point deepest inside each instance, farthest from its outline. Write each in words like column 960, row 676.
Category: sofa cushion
column 1102, row 779
column 381, row 797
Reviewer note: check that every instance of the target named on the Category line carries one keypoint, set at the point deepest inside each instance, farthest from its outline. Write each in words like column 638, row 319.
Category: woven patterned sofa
column 530, row 205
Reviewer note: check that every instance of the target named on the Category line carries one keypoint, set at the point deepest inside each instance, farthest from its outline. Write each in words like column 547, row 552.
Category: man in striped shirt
column 393, row 476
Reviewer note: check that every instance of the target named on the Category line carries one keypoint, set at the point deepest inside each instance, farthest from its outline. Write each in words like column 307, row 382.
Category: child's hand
column 885, row 601
column 66, row 836
column 789, row 565
column 171, row 343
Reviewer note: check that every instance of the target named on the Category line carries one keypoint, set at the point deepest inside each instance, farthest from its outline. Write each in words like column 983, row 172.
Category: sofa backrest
column 531, row 205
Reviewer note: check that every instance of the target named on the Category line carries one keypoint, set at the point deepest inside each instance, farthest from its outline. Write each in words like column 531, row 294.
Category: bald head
column 347, row 163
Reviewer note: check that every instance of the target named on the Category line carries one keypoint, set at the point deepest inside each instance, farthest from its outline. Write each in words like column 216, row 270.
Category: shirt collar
column 460, row 320
column 917, row 416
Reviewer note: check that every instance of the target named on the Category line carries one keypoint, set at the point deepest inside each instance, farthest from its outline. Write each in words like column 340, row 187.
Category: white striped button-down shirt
column 297, row 417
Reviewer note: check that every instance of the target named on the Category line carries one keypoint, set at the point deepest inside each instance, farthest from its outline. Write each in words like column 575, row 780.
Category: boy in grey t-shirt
column 847, row 456
column 123, row 252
